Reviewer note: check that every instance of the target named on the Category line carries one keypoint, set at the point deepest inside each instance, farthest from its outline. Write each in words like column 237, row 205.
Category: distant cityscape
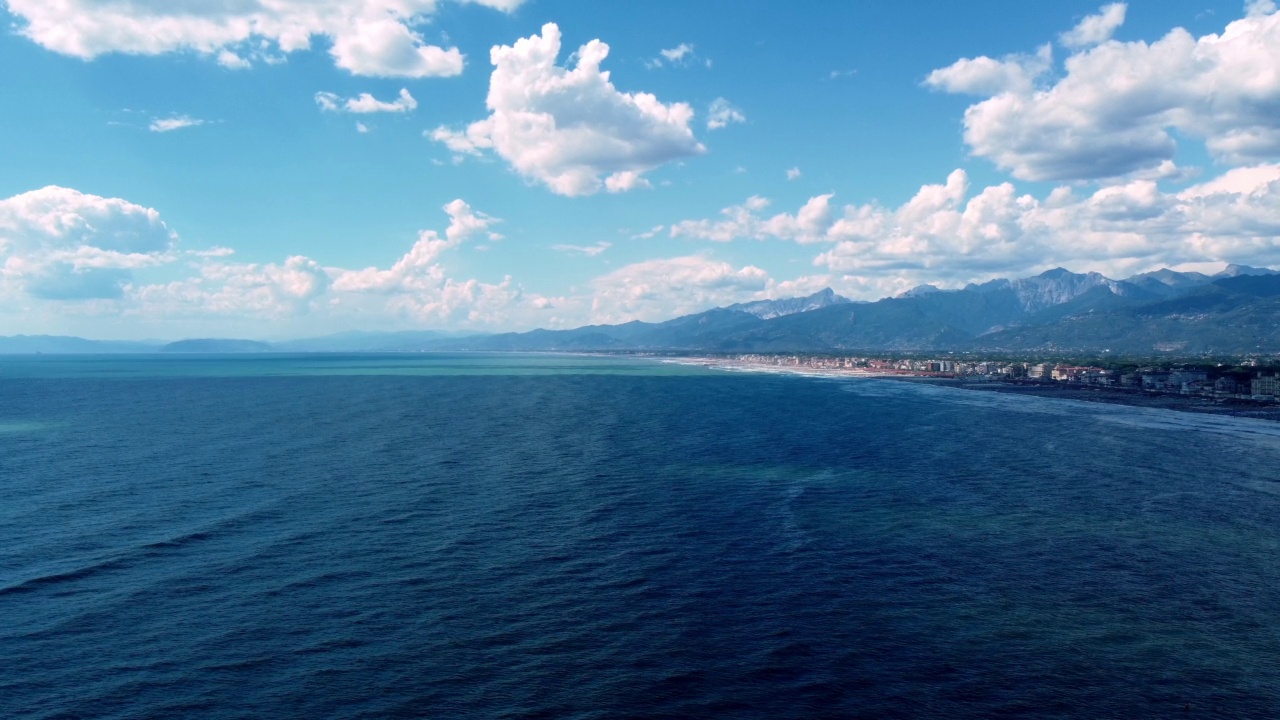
column 1246, row 381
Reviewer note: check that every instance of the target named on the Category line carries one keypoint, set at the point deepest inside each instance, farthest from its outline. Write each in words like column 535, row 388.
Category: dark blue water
column 521, row 537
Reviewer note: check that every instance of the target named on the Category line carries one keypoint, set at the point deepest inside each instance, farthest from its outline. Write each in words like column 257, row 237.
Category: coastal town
column 1246, row 382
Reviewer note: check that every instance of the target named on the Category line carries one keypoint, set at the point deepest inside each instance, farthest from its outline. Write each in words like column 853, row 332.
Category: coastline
column 1059, row 390
column 1114, row 396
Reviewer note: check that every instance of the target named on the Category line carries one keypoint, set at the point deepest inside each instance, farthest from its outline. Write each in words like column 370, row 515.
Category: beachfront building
column 1265, row 385
column 1155, row 380
column 1183, row 379
column 1226, row 385
column 1072, row 373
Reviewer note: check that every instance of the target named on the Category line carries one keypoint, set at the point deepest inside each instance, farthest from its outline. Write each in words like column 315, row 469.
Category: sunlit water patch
column 21, row 427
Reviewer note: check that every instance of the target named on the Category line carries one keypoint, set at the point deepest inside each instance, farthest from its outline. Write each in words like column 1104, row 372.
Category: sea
column 557, row 536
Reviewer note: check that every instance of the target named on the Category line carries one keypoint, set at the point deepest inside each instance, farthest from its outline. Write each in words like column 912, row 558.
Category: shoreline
column 1113, row 396
column 1061, row 391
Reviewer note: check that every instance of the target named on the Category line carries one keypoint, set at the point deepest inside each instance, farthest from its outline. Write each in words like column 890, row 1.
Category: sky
column 287, row 168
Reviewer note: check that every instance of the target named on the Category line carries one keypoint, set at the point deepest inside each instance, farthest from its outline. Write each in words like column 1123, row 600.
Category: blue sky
column 279, row 168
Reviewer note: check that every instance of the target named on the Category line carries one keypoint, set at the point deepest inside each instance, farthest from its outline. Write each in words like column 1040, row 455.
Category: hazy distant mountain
column 1234, row 312
column 1051, row 287
column 216, row 345
column 63, row 345
column 1230, row 315
column 1058, row 309
column 1167, row 283
column 710, row 330
column 767, row 309
column 362, row 341
column 1238, row 270
column 919, row 290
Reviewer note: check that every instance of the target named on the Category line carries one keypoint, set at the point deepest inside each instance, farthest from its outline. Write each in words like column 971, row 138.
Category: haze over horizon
column 293, row 169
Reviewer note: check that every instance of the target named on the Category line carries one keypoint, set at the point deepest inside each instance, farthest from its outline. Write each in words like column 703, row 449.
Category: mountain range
column 1233, row 312
column 1236, row 311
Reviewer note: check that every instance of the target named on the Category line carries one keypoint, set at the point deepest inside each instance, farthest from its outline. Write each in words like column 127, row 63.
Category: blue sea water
column 506, row 536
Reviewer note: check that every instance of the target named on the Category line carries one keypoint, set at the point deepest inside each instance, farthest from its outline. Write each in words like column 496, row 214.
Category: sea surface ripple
column 478, row 536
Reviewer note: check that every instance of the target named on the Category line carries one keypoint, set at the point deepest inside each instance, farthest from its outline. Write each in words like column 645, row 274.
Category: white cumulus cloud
column 70, row 257
column 986, row 76
column 419, row 270
column 1095, row 29
column 365, row 37
column 269, row 290
column 664, row 288
column 571, row 129
column 1117, row 106
column 417, row 288
column 746, row 221
column 948, row 232
column 59, row 243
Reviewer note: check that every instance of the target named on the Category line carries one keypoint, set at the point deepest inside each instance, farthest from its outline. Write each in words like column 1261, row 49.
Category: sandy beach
column 1060, row 390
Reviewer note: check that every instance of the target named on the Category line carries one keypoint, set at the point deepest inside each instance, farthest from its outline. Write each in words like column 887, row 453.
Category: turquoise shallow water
column 556, row 536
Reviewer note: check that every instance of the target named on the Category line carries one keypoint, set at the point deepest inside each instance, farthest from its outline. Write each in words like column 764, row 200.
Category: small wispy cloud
column 651, row 232
column 366, row 103
column 793, row 173
column 587, row 250
column 837, row 74
column 213, row 252
column 232, row 61
column 174, row 122
column 721, row 113
column 678, row 55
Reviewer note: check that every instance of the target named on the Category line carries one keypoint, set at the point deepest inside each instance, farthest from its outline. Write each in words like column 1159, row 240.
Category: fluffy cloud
column 947, row 233
column 571, row 129
column 366, row 37
column 418, row 270
column 61, row 245
column 745, row 221
column 57, row 243
column 661, row 289
column 1095, row 29
column 1117, row 105
column 624, row 181
column 722, row 113
column 68, row 254
column 366, row 103
column 417, row 288
column 985, row 76
column 267, row 290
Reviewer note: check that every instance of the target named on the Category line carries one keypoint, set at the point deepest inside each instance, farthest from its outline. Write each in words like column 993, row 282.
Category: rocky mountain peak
column 767, row 309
